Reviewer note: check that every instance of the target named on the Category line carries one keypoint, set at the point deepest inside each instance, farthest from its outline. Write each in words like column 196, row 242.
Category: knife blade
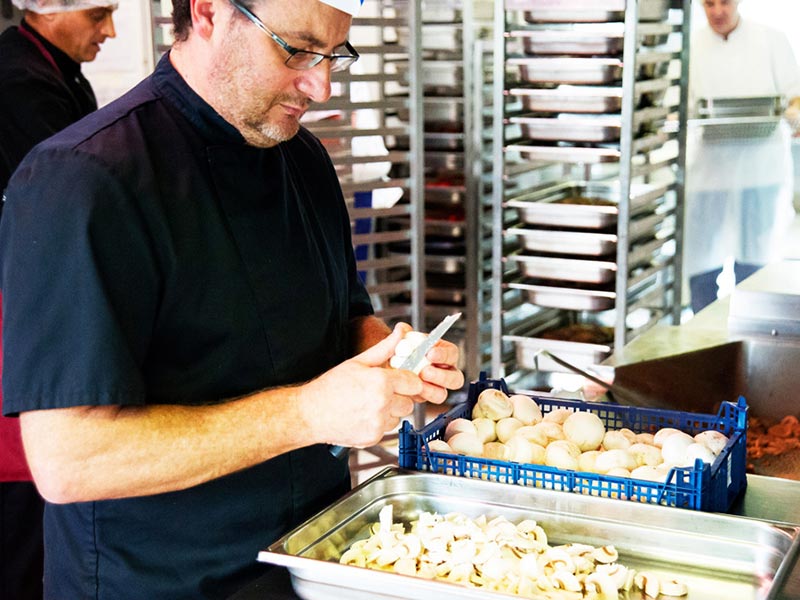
column 415, row 360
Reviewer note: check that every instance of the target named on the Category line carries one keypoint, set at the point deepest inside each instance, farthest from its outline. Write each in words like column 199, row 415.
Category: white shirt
column 755, row 60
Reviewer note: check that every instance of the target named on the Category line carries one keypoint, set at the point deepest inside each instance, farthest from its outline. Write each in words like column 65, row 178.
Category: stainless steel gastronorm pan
column 761, row 106
column 586, row 243
column 586, row 39
column 568, row 127
column 556, row 268
column 718, row 556
column 587, row 11
column 579, row 354
column 569, row 70
column 567, row 298
column 540, row 207
column 589, row 98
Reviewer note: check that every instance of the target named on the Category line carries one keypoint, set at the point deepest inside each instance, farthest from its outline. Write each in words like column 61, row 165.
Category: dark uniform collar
column 208, row 121
column 68, row 67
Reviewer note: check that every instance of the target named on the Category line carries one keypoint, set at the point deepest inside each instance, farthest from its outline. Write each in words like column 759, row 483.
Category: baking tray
column 588, row 98
column 584, row 356
column 565, row 153
column 596, row 129
column 587, row 243
column 586, row 39
column 758, row 106
column 568, row 70
column 555, row 268
column 735, row 128
column 738, row 557
column 586, row 11
column 540, row 207
column 567, row 298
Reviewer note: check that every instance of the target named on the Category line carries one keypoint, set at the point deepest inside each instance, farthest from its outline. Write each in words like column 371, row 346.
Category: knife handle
column 338, row 451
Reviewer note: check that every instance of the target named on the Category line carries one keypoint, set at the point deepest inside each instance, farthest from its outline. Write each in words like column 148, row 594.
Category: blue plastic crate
column 701, row 487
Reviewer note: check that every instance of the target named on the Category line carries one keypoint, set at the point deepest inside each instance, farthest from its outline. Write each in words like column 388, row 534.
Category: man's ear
column 202, row 12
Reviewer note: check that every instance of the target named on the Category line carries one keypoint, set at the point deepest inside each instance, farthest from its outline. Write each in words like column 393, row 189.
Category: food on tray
column 514, row 429
column 585, row 200
column 767, row 440
column 498, row 555
column 585, row 333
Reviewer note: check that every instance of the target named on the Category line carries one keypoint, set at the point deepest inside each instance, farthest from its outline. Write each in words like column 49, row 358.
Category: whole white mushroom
column 440, row 446
column 585, row 429
column 485, row 429
column 611, row 459
column 553, row 431
column 525, row 409
column 457, row 426
column 645, row 454
column 662, row 434
column 495, row 451
column 558, row 415
column 713, row 440
column 618, row 472
column 648, row 473
column 466, row 443
column 587, row 459
column 701, row 451
column 523, row 451
column 505, row 428
column 673, row 448
column 614, row 439
column 562, row 454
column 534, row 434
column 492, row 404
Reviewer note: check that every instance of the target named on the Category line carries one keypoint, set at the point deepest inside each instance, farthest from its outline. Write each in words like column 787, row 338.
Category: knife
column 415, row 361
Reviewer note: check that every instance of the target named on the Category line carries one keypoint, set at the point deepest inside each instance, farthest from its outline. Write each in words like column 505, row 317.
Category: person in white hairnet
column 739, row 183
column 42, row 90
column 186, row 335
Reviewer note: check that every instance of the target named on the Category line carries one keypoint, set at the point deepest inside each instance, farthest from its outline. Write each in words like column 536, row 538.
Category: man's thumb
column 379, row 354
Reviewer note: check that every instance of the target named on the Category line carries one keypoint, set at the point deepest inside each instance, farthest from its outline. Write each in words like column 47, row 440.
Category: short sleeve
column 79, row 284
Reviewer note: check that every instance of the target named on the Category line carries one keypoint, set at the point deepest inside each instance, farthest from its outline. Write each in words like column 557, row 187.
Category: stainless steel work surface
column 717, row 556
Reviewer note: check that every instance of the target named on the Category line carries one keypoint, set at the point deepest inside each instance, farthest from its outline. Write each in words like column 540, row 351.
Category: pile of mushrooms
column 514, row 429
column 498, row 555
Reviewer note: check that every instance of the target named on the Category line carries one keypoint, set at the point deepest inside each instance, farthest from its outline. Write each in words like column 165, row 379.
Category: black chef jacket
column 42, row 90
column 149, row 256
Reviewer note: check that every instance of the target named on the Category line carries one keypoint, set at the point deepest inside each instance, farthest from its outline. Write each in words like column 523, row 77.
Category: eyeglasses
column 301, row 60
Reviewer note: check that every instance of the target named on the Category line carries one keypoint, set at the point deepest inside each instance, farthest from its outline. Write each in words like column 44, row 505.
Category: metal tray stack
column 597, row 81
column 452, row 243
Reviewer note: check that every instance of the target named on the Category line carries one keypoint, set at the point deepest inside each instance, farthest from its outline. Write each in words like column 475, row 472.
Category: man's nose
column 107, row 27
column 315, row 82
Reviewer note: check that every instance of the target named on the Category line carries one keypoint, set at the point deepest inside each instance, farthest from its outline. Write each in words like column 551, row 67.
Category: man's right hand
column 355, row 403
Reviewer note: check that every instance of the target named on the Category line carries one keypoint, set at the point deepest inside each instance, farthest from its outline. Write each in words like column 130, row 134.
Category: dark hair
column 182, row 18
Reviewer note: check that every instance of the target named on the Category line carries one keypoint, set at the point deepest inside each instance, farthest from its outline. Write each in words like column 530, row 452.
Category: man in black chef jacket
column 185, row 329
column 42, row 90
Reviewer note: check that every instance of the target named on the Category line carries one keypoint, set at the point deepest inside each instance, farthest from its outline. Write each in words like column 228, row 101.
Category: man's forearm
column 89, row 453
column 365, row 332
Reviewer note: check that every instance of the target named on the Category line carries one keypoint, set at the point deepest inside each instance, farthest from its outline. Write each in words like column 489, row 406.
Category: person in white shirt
column 738, row 187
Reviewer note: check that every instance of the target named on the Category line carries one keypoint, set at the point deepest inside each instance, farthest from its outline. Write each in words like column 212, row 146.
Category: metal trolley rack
column 452, row 75
column 603, row 86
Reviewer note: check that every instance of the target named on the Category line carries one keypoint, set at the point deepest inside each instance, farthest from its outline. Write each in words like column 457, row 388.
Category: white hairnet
column 351, row 7
column 57, row 6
